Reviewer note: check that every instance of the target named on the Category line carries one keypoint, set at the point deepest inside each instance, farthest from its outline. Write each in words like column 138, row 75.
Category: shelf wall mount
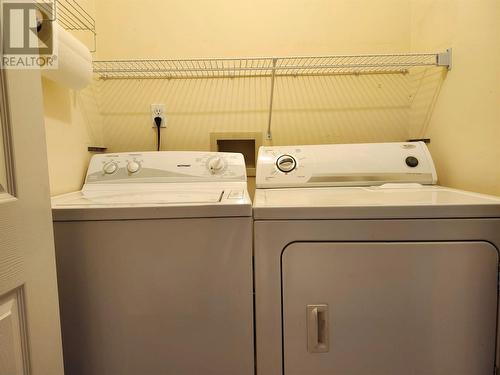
column 445, row 59
column 70, row 15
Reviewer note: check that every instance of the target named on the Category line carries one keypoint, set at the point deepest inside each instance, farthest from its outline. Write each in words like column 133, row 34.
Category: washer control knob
column 216, row 164
column 133, row 166
column 110, row 167
column 286, row 163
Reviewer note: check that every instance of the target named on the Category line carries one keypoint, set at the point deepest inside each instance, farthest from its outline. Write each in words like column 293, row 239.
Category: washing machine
column 363, row 265
column 154, row 262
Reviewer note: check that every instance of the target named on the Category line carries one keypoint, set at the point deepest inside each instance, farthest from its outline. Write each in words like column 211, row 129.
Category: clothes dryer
column 363, row 265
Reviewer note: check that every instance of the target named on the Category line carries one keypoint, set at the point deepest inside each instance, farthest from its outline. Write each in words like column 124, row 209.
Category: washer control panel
column 166, row 166
column 365, row 164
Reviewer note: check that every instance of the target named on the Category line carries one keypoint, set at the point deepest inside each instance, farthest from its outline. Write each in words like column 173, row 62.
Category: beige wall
column 227, row 28
column 465, row 124
column 306, row 110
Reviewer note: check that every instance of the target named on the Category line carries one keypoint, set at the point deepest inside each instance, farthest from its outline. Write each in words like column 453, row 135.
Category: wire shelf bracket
column 70, row 15
column 271, row 99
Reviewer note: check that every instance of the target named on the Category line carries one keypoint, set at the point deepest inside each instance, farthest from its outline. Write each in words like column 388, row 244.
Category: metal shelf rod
column 269, row 135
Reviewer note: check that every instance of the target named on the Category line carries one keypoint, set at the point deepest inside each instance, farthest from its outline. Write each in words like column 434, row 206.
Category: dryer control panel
column 365, row 164
column 166, row 167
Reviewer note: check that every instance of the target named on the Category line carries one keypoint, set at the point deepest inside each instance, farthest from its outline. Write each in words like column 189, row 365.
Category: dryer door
column 389, row 308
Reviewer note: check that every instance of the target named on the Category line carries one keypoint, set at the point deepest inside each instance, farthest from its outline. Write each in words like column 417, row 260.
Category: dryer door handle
column 318, row 332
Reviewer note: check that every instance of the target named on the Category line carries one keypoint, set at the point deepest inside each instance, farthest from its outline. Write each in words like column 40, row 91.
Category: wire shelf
column 70, row 15
column 272, row 67
column 266, row 66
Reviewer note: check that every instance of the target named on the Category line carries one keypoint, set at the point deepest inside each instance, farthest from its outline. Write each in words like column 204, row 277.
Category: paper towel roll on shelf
column 73, row 58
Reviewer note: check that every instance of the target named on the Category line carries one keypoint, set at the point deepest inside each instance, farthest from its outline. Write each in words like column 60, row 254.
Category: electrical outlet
column 158, row 110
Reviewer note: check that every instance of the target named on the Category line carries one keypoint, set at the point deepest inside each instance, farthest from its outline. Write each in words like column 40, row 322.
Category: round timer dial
column 286, row 163
column 110, row 167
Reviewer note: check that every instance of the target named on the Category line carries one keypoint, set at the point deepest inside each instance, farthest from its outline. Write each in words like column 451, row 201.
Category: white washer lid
column 139, row 198
column 387, row 201
column 129, row 204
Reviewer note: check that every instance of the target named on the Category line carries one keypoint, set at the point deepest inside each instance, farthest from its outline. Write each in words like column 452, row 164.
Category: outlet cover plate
column 158, row 110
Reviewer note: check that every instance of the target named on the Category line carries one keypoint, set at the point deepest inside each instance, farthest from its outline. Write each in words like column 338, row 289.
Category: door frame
column 5, row 125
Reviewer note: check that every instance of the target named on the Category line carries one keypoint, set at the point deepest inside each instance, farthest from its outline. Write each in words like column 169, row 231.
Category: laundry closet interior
column 250, row 187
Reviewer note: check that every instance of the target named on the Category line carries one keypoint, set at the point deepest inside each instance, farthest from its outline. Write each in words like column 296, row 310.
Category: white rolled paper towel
column 73, row 58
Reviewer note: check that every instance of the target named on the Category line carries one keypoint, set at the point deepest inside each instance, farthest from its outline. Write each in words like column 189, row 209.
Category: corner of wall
column 464, row 123
column 72, row 123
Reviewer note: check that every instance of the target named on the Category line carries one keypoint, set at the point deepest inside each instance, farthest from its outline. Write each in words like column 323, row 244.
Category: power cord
column 158, row 120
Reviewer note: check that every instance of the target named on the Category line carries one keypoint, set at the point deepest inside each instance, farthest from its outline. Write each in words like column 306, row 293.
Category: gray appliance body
column 412, row 296
column 158, row 296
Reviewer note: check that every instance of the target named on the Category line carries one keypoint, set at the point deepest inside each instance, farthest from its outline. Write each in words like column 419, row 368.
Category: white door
column 30, row 339
column 390, row 308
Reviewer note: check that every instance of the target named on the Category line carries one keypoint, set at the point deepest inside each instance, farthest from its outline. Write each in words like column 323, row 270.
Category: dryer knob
column 110, row 167
column 286, row 163
column 133, row 166
column 411, row 161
